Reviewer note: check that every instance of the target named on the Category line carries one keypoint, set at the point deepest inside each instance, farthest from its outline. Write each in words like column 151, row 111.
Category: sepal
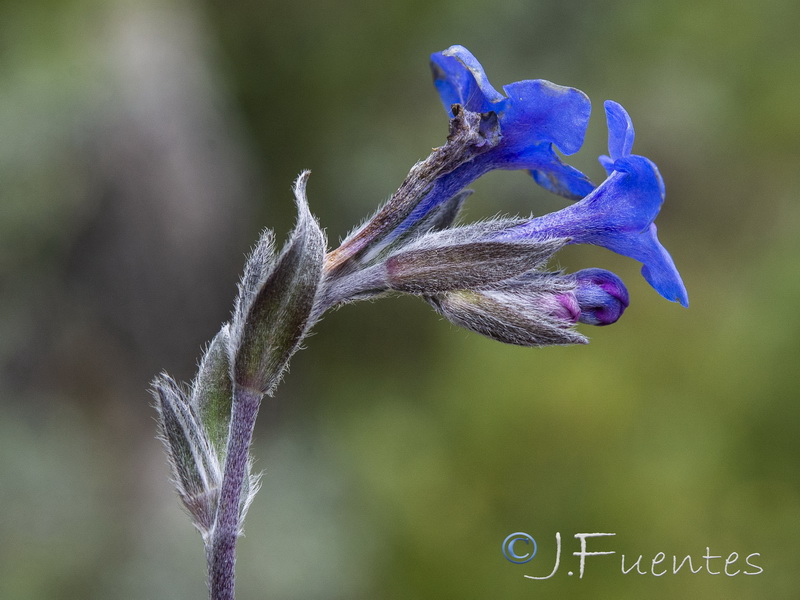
column 508, row 316
column 416, row 205
column 442, row 262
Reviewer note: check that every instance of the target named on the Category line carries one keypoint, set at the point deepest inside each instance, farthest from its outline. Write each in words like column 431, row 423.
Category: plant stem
column 221, row 549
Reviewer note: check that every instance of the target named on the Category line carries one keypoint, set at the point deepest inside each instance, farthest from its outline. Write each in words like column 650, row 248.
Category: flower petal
column 619, row 216
column 538, row 110
column 620, row 130
column 607, row 163
column 562, row 179
column 460, row 79
column 658, row 267
column 535, row 116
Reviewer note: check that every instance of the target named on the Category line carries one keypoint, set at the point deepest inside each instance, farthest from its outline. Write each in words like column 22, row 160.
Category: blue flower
column 519, row 129
column 535, row 116
column 619, row 213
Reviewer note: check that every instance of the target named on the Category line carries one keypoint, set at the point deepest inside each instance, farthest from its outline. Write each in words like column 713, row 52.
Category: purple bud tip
column 601, row 295
column 566, row 308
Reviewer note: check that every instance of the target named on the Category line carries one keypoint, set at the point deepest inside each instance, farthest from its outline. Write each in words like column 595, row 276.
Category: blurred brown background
column 144, row 144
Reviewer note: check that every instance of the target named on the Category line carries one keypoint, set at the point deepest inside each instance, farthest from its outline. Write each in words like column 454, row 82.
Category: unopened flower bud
column 566, row 307
column 601, row 295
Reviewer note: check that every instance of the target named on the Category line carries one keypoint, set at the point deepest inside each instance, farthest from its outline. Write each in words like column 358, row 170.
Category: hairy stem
column 221, row 549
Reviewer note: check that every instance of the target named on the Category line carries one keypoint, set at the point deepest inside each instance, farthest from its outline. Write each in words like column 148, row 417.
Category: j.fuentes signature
column 520, row 548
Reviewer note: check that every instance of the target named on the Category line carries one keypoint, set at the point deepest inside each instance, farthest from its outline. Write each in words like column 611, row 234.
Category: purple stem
column 222, row 549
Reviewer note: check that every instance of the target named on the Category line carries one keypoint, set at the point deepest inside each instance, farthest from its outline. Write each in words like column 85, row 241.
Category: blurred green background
column 144, row 144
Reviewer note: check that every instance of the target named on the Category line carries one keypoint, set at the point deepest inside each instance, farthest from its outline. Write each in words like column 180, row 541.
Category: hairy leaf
column 277, row 317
